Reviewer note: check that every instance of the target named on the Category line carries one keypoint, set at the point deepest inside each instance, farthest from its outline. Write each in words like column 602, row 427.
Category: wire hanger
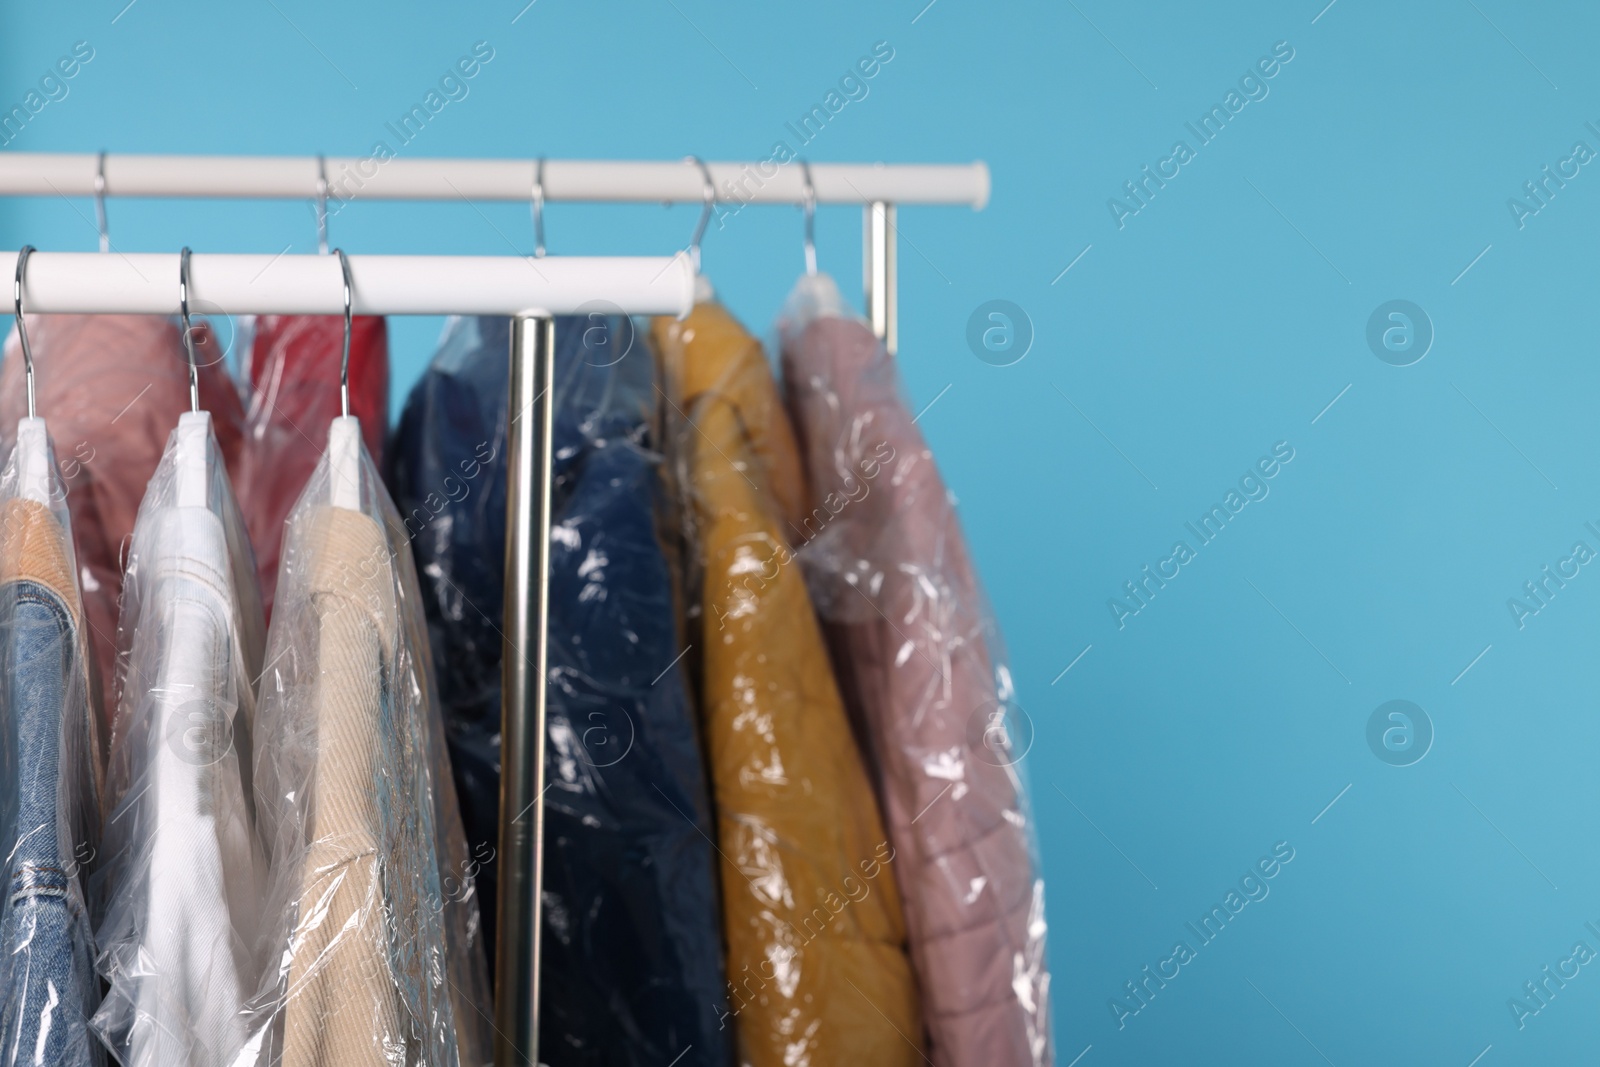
column 188, row 328
column 344, row 433
column 538, row 209
column 100, row 203
column 322, row 205
column 344, row 359
column 32, row 455
column 344, row 471
column 809, row 202
column 195, row 451
column 709, row 194
column 22, row 325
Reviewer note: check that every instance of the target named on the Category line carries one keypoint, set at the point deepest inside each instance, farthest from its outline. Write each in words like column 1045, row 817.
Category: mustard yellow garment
column 817, row 965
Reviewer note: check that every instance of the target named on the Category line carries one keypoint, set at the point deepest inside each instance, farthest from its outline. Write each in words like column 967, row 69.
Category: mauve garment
column 817, row 966
column 112, row 388
column 918, row 660
column 293, row 397
column 632, row 970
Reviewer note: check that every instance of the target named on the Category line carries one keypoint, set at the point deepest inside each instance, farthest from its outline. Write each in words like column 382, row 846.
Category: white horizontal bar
column 102, row 283
column 356, row 178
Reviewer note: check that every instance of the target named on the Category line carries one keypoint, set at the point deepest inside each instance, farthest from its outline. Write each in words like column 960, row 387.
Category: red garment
column 111, row 388
column 919, row 663
column 294, row 396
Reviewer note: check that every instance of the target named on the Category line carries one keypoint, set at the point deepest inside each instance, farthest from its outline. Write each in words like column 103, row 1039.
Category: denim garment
column 632, row 970
column 47, row 967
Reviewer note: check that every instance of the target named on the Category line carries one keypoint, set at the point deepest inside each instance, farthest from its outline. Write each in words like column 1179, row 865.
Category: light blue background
column 1223, row 318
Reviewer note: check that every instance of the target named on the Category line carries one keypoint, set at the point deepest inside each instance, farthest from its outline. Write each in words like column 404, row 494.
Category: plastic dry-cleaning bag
column 49, row 772
column 921, row 666
column 372, row 957
column 288, row 372
column 112, row 387
column 182, row 868
column 632, row 958
column 817, row 967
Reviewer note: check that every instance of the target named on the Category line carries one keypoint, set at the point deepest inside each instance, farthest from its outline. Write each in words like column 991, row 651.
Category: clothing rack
column 531, row 291
column 145, row 284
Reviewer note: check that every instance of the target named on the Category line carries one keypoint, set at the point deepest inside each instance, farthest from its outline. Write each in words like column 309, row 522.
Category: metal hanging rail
column 532, row 291
column 368, row 178
column 878, row 187
column 143, row 283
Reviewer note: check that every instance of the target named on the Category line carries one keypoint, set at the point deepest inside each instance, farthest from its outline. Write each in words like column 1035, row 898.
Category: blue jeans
column 47, row 983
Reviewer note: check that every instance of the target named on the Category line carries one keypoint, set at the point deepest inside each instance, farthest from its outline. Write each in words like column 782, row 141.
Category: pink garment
column 111, row 388
column 917, row 658
column 293, row 384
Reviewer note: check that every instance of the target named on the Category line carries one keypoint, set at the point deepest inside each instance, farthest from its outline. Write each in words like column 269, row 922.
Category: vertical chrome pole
column 878, row 272
column 523, row 679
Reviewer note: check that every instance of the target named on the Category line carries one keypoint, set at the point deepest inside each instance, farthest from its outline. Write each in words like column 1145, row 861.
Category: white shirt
column 179, row 939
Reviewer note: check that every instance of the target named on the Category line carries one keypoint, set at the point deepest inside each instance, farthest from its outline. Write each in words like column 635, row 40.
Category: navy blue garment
column 632, row 972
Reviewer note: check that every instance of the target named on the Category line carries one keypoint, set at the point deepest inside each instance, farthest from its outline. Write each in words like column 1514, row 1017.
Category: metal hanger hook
column 22, row 325
column 322, row 205
column 344, row 359
column 100, row 203
column 809, row 202
column 709, row 194
column 538, row 209
column 188, row 328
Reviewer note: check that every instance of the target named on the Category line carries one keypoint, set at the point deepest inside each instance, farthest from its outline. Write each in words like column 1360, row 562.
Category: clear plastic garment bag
column 922, row 670
column 817, row 965
column 632, row 957
column 49, row 771
column 372, row 925
column 183, row 866
column 374, row 933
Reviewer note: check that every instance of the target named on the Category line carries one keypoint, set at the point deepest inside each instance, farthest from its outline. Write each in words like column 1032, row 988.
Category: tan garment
column 343, row 1009
column 817, row 966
